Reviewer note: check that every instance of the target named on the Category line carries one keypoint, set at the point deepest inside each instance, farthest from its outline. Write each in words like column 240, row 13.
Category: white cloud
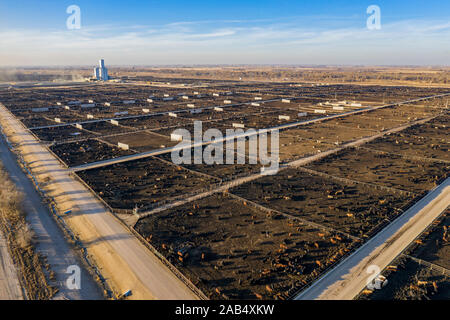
column 412, row 41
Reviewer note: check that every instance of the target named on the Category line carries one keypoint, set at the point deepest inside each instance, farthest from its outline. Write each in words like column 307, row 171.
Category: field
column 142, row 182
column 234, row 251
column 234, row 233
column 82, row 152
column 353, row 209
column 384, row 169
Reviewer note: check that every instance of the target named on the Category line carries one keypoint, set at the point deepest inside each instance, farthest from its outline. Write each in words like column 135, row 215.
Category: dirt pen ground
column 270, row 237
column 232, row 250
column 353, row 209
column 82, row 152
column 142, row 182
column 384, row 170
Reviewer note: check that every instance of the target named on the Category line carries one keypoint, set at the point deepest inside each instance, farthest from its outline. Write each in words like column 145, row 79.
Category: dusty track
column 10, row 288
column 49, row 239
column 121, row 258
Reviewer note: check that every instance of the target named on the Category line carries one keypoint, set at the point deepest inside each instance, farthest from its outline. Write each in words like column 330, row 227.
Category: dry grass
column 20, row 240
column 414, row 76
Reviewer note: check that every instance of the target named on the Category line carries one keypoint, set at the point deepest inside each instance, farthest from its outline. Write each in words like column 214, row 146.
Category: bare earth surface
column 121, row 258
column 9, row 282
column 50, row 240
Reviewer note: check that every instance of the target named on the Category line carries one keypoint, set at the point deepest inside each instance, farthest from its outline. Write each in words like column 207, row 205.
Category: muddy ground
column 353, row 209
column 152, row 122
column 223, row 171
column 434, row 146
column 226, row 246
column 142, row 182
column 142, row 141
column 87, row 151
column 233, row 251
column 324, row 133
column 383, row 169
column 293, row 147
column 104, row 128
column 434, row 245
column 61, row 133
column 37, row 122
column 190, row 127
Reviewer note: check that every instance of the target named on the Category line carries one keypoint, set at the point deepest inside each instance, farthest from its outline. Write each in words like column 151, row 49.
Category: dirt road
column 349, row 278
column 49, row 239
column 10, row 288
column 121, row 258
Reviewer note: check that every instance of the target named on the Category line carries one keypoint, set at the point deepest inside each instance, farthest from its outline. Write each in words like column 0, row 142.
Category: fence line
column 432, row 266
column 353, row 182
column 417, row 158
column 289, row 216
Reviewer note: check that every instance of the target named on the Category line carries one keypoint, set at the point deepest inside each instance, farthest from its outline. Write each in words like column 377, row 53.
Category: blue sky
column 227, row 32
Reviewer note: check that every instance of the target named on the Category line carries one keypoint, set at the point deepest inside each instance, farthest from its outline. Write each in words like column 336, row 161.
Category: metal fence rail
column 353, row 182
column 289, row 216
column 432, row 266
column 404, row 156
